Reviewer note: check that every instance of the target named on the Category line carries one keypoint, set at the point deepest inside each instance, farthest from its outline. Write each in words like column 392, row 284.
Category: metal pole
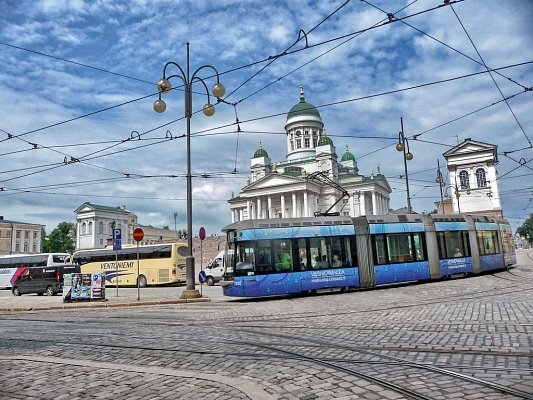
column 189, row 262
column 457, row 193
column 409, row 209
column 138, row 273
column 116, row 269
column 440, row 186
column 176, row 225
column 201, row 264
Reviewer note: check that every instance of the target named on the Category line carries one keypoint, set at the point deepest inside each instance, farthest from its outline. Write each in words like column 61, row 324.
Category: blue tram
column 286, row 256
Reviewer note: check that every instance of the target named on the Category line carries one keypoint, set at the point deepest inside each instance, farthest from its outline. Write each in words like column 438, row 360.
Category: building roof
column 98, row 207
column 8, row 221
column 325, row 140
column 303, row 108
column 347, row 156
column 260, row 152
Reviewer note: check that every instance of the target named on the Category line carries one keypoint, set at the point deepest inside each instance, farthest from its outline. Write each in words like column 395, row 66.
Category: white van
column 215, row 269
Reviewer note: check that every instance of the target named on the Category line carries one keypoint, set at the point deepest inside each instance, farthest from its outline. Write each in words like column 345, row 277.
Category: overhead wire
column 492, row 77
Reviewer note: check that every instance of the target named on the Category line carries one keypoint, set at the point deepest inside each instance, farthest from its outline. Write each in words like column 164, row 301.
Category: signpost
column 117, row 245
column 138, row 235
column 201, row 234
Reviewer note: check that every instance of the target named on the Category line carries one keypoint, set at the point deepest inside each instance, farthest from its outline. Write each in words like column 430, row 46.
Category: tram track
column 430, row 368
column 335, row 363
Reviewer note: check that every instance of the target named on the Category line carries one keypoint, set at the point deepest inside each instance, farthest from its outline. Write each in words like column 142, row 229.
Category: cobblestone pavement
column 455, row 339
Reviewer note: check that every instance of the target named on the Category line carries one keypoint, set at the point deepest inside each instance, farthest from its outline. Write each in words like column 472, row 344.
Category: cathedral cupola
column 304, row 128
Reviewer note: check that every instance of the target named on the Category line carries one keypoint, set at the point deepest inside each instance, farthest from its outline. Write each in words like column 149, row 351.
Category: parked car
column 42, row 280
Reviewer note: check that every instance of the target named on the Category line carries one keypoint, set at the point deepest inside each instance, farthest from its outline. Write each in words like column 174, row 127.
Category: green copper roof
column 348, row 156
column 260, row 152
column 303, row 108
column 325, row 140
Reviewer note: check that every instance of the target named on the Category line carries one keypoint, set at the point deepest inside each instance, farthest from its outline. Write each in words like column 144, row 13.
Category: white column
column 233, row 216
column 283, row 215
column 293, row 204
column 374, row 204
column 312, row 204
column 362, row 205
column 248, row 209
column 306, row 210
column 269, row 205
column 259, row 216
column 352, row 207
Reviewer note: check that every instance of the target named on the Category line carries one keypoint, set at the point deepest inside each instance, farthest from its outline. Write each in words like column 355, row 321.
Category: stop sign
column 202, row 233
column 138, row 234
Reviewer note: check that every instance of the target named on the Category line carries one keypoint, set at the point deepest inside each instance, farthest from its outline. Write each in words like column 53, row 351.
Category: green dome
column 324, row 140
column 260, row 152
column 347, row 156
column 303, row 108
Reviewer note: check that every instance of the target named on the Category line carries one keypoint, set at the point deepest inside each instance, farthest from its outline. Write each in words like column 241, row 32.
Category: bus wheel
column 210, row 281
column 16, row 291
column 142, row 281
column 50, row 291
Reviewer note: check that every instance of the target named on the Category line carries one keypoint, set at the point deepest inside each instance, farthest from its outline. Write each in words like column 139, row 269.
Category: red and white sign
column 138, row 234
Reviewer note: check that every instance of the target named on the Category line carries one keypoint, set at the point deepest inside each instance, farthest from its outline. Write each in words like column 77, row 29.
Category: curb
column 100, row 304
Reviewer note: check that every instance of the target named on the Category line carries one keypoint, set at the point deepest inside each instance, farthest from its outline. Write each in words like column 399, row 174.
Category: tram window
column 420, row 252
column 282, row 255
column 349, row 257
column 399, row 247
column 264, row 257
column 487, row 242
column 319, row 253
column 245, row 259
column 304, row 260
column 379, row 241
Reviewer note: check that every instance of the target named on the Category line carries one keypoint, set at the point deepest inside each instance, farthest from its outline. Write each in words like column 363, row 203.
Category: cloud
column 136, row 39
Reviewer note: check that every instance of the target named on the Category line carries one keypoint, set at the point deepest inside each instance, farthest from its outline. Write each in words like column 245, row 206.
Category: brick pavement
column 482, row 326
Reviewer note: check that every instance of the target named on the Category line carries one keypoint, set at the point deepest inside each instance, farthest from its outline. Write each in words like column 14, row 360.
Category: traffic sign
column 117, row 239
column 138, row 234
column 202, row 277
column 202, row 233
column 117, row 234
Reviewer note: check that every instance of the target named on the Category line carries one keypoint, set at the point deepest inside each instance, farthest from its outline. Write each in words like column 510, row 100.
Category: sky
column 77, row 84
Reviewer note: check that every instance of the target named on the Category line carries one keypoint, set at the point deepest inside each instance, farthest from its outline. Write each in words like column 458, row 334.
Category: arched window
column 83, row 228
column 90, row 228
column 464, row 182
column 481, row 178
column 100, row 227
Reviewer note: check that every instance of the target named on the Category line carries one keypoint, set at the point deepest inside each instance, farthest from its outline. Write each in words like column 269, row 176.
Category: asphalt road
column 455, row 339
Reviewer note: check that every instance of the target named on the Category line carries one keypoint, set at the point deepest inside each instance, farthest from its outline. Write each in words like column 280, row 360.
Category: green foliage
column 527, row 229
column 61, row 240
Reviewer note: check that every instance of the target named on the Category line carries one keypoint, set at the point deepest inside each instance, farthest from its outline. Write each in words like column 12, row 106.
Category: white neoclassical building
column 94, row 227
column 472, row 171
column 311, row 179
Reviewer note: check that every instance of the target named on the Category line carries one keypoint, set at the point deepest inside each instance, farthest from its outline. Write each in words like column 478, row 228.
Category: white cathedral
column 311, row 181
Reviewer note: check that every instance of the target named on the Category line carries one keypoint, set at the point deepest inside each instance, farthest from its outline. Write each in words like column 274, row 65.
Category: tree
column 526, row 230
column 61, row 239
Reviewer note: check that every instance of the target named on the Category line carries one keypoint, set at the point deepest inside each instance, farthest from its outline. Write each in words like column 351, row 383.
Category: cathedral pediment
column 469, row 147
column 274, row 180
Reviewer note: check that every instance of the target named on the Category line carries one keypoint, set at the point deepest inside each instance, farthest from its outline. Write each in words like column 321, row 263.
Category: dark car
column 42, row 280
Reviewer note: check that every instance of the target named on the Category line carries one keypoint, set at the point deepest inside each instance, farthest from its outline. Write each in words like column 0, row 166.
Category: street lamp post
column 440, row 181
column 403, row 145
column 176, row 225
column 218, row 90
